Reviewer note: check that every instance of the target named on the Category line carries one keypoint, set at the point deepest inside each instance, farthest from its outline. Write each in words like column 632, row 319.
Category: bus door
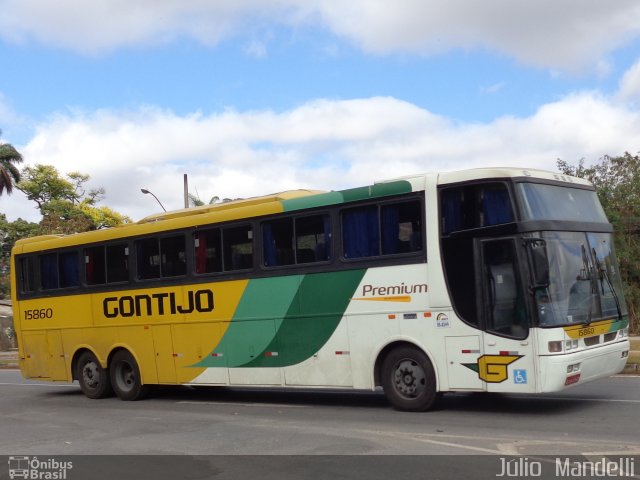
column 508, row 361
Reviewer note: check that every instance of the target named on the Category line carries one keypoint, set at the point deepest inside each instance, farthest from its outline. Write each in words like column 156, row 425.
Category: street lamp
column 145, row 191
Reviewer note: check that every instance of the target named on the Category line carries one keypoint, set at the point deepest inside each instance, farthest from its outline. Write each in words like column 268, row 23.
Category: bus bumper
column 558, row 372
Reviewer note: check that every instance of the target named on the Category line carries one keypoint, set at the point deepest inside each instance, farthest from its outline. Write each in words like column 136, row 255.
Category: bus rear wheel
column 409, row 380
column 94, row 380
column 125, row 377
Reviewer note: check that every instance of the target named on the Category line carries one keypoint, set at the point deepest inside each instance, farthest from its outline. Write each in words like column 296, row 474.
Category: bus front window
column 585, row 283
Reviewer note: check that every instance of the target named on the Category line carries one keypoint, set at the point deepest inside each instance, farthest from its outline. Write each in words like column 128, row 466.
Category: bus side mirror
column 538, row 262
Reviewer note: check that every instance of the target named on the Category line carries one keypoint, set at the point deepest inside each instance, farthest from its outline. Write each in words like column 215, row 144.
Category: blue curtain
column 270, row 254
column 49, row 271
column 390, row 230
column 497, row 207
column 360, row 232
column 69, row 275
column 452, row 211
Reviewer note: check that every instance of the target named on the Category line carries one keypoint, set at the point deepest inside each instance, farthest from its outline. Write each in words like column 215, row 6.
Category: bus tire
column 408, row 379
column 93, row 379
column 125, row 377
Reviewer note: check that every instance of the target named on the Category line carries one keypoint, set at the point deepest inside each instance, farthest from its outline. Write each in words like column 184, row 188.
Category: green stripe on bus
column 323, row 299
column 285, row 320
column 265, row 302
column 350, row 195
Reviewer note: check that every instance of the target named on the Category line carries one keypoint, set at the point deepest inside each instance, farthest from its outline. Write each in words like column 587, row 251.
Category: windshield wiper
column 590, row 271
column 602, row 271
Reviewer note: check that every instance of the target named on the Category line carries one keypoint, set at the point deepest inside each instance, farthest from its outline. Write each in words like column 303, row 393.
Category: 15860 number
column 38, row 314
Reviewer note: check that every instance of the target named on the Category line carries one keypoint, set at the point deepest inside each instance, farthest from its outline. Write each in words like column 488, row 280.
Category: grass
column 635, row 343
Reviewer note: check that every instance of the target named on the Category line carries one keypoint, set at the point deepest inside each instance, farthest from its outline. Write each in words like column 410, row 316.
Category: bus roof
column 506, row 172
column 275, row 203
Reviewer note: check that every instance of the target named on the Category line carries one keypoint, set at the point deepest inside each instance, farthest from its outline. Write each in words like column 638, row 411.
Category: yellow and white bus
column 496, row 280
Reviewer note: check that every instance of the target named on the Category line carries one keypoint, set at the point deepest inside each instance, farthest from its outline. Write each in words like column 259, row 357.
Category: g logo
column 493, row 368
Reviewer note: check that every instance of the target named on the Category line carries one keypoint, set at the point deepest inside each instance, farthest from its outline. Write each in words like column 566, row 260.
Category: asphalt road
column 235, row 433
column 55, row 419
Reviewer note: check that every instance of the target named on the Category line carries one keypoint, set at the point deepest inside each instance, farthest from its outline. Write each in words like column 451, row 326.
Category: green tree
column 10, row 232
column 9, row 173
column 64, row 202
column 617, row 182
column 195, row 201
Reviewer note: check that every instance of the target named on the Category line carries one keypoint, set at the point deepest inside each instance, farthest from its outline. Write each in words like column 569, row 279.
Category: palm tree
column 9, row 173
column 195, row 200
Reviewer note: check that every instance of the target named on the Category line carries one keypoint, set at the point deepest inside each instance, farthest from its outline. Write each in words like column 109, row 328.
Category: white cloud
column 564, row 35
column 629, row 89
column 322, row 145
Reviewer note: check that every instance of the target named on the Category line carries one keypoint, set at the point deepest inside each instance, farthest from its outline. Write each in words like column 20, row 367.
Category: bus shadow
column 503, row 404
column 269, row 396
column 513, row 404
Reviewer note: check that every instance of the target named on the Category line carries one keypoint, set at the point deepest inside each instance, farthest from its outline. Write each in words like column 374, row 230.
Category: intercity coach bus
column 487, row 280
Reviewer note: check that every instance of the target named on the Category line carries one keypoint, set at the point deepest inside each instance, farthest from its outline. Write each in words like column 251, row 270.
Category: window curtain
column 360, row 231
column 390, row 230
column 69, row 275
column 269, row 242
column 497, row 207
column 452, row 211
column 49, row 271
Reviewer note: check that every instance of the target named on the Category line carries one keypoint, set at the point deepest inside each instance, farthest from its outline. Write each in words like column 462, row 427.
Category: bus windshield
column 551, row 202
column 585, row 283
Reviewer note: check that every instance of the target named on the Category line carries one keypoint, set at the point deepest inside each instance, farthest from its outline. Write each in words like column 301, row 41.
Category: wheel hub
column 91, row 375
column 409, row 378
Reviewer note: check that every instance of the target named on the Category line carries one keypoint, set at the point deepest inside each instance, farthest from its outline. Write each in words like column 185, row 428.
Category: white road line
column 585, row 399
column 236, row 404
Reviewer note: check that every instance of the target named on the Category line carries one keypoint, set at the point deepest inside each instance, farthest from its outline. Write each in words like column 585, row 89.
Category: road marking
column 567, row 398
column 274, row 405
column 585, row 399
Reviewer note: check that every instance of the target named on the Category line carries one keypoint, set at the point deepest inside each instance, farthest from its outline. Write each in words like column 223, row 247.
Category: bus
column 482, row 280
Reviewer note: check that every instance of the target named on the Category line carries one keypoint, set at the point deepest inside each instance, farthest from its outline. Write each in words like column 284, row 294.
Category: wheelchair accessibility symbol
column 520, row 377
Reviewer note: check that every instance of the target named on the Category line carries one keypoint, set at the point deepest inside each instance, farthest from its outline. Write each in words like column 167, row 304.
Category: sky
column 251, row 97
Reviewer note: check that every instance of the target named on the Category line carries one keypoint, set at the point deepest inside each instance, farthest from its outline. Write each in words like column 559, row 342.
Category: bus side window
column 28, row 272
column 277, row 241
column 208, row 251
column 174, row 260
column 94, row 266
column 401, row 228
column 148, row 254
column 237, row 244
column 360, row 232
column 68, row 268
column 49, row 271
column 117, row 263
column 313, row 239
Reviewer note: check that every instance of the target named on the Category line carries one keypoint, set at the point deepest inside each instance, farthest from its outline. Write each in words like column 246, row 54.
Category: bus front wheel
column 125, row 377
column 409, row 380
column 94, row 380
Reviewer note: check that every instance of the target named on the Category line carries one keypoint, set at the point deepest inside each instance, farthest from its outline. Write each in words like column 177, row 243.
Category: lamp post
column 145, row 191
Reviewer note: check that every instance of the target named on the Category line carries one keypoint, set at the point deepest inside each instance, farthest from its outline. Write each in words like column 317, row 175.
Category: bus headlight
column 570, row 345
column 623, row 333
column 555, row 346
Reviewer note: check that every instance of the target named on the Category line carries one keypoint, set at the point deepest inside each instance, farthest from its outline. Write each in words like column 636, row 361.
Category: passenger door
column 508, row 361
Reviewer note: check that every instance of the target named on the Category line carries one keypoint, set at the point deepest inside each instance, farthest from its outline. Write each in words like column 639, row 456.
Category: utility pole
column 186, row 192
